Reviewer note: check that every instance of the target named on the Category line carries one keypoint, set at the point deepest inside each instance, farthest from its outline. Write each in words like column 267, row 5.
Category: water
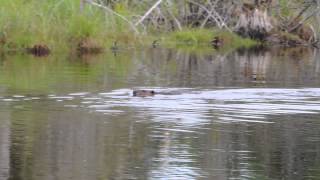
column 241, row 115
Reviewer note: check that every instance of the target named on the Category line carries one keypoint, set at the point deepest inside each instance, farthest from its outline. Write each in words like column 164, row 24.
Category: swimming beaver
column 143, row 93
column 146, row 93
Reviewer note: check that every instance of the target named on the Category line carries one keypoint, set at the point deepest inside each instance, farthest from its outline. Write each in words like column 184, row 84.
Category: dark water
column 240, row 115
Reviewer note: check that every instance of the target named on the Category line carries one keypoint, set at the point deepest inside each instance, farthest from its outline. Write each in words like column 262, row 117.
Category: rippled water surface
column 246, row 114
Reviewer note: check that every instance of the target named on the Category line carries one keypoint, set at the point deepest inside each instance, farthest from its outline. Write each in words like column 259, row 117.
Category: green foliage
column 285, row 11
column 81, row 26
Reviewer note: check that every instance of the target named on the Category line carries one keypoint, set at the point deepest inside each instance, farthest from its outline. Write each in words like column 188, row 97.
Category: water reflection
column 4, row 145
column 240, row 115
column 190, row 107
column 161, row 68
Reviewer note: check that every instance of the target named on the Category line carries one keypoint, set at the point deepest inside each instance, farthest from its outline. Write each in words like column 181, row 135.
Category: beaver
column 143, row 93
column 146, row 93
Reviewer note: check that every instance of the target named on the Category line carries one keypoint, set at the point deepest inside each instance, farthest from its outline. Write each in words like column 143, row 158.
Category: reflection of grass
column 26, row 73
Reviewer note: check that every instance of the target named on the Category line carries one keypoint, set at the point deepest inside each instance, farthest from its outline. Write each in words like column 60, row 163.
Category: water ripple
column 192, row 106
column 189, row 107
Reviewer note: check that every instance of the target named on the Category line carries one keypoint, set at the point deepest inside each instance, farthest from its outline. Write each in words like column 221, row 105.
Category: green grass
column 60, row 25
column 200, row 39
column 55, row 23
column 192, row 36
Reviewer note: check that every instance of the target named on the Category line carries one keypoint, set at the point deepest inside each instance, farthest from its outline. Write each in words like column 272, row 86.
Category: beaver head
column 143, row 93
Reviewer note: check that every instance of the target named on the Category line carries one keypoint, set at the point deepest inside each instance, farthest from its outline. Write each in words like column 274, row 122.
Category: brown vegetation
column 88, row 46
column 39, row 50
column 217, row 42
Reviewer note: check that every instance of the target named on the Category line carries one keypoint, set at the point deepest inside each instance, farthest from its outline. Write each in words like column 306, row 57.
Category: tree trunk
column 254, row 21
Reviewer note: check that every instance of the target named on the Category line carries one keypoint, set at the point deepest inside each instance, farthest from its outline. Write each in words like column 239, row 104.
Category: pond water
column 247, row 114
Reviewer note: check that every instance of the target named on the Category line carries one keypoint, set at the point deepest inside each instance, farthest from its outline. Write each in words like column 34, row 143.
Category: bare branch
column 215, row 15
column 148, row 12
column 305, row 19
column 115, row 13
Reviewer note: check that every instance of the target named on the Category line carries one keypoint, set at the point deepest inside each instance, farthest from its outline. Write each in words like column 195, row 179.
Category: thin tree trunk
column 82, row 3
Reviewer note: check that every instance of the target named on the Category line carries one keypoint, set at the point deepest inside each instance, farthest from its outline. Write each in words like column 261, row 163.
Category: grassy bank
column 204, row 37
column 58, row 24
column 61, row 26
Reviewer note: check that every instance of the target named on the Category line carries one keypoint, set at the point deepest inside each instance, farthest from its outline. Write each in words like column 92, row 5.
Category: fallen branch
column 115, row 13
column 299, row 15
column 148, row 12
column 305, row 19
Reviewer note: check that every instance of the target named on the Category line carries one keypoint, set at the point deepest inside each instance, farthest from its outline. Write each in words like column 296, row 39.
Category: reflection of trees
column 66, row 143
column 4, row 143
column 163, row 67
column 26, row 127
column 50, row 141
column 290, row 150
column 47, row 140
column 295, row 66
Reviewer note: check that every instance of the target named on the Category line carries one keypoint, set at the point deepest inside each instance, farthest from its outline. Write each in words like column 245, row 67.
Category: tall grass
column 54, row 22
column 60, row 25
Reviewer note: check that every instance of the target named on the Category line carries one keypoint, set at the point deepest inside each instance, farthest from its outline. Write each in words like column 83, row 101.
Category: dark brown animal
column 143, row 93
